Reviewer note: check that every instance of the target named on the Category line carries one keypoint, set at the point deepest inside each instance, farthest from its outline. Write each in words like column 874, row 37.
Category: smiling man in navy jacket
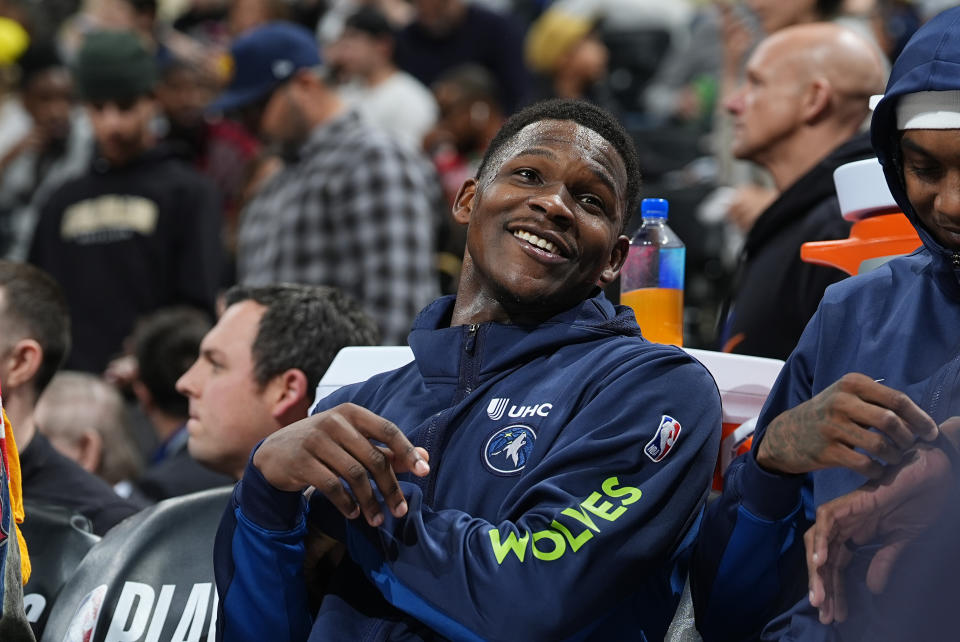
column 537, row 472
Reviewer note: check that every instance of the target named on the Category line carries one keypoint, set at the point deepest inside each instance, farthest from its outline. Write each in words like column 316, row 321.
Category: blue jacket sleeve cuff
column 265, row 506
column 767, row 495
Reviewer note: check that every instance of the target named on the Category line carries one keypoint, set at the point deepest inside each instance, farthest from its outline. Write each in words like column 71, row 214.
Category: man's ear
column 290, row 396
column 816, row 100
column 304, row 78
column 617, row 256
column 142, row 394
column 463, row 203
column 23, row 362
column 90, row 450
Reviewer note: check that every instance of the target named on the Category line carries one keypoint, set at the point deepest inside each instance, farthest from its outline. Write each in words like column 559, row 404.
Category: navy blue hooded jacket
column 569, row 462
column 898, row 324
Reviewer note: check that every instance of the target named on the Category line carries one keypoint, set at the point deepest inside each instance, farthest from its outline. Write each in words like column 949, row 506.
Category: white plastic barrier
column 744, row 384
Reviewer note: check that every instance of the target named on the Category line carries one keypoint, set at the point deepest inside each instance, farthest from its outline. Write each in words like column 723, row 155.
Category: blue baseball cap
column 263, row 58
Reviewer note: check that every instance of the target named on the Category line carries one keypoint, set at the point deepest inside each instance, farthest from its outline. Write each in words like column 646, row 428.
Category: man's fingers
column 828, row 554
column 383, row 474
column 841, row 558
column 882, row 564
column 331, row 486
column 841, row 455
column 951, row 428
column 336, row 446
column 375, row 427
column 400, row 464
column 813, row 566
column 852, row 415
column 826, row 608
column 356, row 460
column 906, row 414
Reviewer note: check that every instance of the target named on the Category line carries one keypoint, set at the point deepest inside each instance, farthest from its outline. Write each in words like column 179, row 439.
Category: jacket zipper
column 469, row 372
column 948, row 377
column 437, row 426
column 470, row 347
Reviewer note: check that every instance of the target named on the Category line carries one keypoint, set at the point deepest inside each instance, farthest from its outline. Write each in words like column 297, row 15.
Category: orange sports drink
column 651, row 281
column 659, row 313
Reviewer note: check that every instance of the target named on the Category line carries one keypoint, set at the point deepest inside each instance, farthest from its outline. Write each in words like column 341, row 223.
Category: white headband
column 929, row 110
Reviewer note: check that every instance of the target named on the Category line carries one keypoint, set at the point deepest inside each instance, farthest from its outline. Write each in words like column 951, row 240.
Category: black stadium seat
column 149, row 578
column 57, row 539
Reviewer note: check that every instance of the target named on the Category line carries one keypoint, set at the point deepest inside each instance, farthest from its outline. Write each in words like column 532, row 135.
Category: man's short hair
column 34, row 307
column 473, row 81
column 166, row 344
column 587, row 115
column 39, row 57
column 75, row 402
column 371, row 21
column 827, row 9
column 303, row 327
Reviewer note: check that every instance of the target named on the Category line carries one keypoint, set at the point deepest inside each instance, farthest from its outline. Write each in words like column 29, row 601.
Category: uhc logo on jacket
column 497, row 406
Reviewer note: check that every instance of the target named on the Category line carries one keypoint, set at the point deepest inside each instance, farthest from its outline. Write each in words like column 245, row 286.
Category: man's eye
column 926, row 172
column 591, row 201
column 526, row 174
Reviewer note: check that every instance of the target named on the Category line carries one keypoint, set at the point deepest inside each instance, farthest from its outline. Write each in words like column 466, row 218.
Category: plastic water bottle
column 651, row 281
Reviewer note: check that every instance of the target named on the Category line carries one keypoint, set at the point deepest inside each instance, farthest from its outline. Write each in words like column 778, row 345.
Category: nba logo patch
column 508, row 449
column 664, row 439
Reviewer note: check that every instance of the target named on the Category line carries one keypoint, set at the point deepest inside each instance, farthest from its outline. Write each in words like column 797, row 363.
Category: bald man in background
column 799, row 114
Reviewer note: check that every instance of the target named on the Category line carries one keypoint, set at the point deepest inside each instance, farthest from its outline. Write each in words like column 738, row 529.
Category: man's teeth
column 533, row 239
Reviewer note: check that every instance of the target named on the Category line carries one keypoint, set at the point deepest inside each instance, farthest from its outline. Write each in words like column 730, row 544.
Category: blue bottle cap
column 654, row 208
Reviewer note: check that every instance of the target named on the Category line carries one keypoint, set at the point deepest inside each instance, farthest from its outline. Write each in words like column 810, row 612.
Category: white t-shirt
column 15, row 123
column 400, row 105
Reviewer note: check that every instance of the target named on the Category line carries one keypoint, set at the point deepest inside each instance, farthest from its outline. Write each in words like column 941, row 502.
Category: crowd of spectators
column 167, row 163
column 437, row 75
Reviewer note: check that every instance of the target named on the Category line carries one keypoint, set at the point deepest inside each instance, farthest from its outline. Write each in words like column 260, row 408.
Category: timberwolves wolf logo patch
column 663, row 440
column 509, row 448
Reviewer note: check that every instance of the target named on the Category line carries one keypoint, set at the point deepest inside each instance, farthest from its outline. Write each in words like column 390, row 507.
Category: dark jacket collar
column 806, row 193
column 501, row 346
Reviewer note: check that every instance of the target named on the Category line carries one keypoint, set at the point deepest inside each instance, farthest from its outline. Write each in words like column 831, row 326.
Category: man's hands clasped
column 909, row 479
column 337, row 445
column 824, row 431
column 892, row 511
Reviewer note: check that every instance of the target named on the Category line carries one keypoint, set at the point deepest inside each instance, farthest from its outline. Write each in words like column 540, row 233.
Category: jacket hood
column 929, row 62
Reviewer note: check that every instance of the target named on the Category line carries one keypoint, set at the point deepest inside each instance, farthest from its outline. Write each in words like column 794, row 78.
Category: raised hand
column 894, row 509
column 823, row 431
column 335, row 446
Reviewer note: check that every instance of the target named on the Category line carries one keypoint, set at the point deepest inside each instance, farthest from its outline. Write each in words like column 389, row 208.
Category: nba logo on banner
column 664, row 439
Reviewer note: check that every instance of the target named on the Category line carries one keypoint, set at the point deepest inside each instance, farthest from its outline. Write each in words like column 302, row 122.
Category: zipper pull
column 471, row 338
column 956, row 259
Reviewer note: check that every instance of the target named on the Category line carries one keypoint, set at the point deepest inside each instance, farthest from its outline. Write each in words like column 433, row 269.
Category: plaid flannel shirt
column 357, row 212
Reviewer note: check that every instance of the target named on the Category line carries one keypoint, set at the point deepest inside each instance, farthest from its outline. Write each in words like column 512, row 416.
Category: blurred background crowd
column 203, row 138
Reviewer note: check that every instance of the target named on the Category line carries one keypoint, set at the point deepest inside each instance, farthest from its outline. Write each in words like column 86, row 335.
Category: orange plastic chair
column 878, row 237
column 880, row 231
